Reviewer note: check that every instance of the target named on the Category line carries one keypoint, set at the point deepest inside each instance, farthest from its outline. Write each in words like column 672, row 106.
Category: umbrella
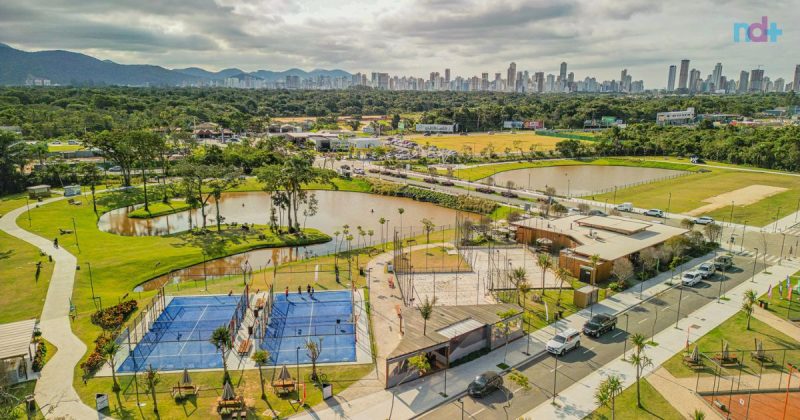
column 284, row 375
column 725, row 350
column 695, row 354
column 186, row 380
column 227, row 392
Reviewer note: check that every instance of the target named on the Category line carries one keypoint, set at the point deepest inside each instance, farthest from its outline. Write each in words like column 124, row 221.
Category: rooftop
column 17, row 338
column 609, row 237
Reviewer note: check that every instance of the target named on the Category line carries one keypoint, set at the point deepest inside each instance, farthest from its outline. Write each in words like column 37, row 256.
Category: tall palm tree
column 524, row 287
column 261, row 358
column 544, row 262
column 748, row 304
column 640, row 361
column 607, row 392
column 517, row 276
column 401, row 211
column 151, row 381
column 109, row 352
column 382, row 221
column 594, row 259
column 425, row 311
column 561, row 275
column 221, row 339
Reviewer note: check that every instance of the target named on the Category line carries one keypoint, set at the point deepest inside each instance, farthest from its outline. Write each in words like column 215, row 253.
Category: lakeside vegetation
column 159, row 209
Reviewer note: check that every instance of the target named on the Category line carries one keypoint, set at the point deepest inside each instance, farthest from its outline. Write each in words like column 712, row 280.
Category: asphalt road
column 648, row 318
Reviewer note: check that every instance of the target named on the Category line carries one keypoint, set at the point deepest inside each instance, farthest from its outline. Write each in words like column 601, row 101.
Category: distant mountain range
column 70, row 68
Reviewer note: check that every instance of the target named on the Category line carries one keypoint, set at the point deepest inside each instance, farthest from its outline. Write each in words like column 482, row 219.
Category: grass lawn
column 125, row 406
column 437, row 259
column 64, row 147
column 479, row 172
column 735, row 332
column 688, row 193
column 21, row 293
column 655, row 406
column 779, row 304
column 159, row 209
column 20, row 391
column 500, row 141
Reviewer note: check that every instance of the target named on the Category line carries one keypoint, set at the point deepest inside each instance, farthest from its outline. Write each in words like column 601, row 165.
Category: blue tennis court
column 299, row 317
column 179, row 337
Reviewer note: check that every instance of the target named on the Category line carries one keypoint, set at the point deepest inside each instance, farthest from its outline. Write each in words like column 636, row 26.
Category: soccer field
column 500, row 141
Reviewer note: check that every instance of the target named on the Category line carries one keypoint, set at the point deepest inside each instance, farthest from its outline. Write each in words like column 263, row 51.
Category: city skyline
column 597, row 38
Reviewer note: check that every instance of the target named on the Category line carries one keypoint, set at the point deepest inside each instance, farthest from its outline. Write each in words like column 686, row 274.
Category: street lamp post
column 775, row 224
column 783, row 242
column 669, row 201
column 555, row 377
column 28, row 206
column 744, row 229
column 680, row 298
column 91, row 281
column 625, row 345
column 755, row 261
column 461, row 401
column 75, row 231
column 297, row 355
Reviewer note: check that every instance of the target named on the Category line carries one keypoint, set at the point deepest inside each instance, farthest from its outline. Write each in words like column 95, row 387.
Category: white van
column 624, row 207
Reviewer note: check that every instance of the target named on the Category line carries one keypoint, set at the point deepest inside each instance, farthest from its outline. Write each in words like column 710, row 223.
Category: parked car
column 509, row 194
column 431, row 180
column 723, row 262
column 599, row 325
column 654, row 213
column 704, row 220
column 573, row 211
column 564, row 341
column 358, row 171
column 373, row 170
column 624, row 207
column 447, row 183
column 691, row 278
column 115, row 169
column 707, row 270
column 485, row 190
column 596, row 213
column 484, row 384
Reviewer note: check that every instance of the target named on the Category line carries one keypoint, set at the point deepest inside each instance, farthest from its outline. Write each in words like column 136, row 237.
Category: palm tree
column 425, row 311
column 314, row 349
column 109, row 352
column 517, row 276
column 607, row 392
column 382, row 221
column 524, row 287
column 748, row 304
column 92, row 176
column 640, row 361
column 594, row 259
column 561, row 275
column 545, row 263
column 221, row 339
column 151, row 381
column 401, row 211
column 261, row 358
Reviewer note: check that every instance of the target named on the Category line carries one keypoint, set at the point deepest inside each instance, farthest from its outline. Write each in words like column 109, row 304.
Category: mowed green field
column 500, row 141
column 688, row 193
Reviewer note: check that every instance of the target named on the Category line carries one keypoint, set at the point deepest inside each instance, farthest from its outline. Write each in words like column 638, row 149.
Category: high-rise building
column 756, row 79
column 779, row 85
column 716, row 75
column 538, row 80
column 743, row 81
column 447, row 76
column 484, row 81
column 694, row 78
column 796, row 83
column 671, row 79
column 623, row 76
column 562, row 74
column 683, row 77
column 511, row 76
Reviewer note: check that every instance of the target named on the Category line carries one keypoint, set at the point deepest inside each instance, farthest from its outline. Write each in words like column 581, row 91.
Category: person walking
column 55, row 243
column 286, row 292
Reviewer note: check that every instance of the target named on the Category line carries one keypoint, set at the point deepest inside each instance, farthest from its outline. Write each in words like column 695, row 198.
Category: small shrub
column 38, row 359
column 113, row 317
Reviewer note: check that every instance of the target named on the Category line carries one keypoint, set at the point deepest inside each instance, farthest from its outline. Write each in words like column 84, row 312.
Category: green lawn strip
column 19, row 392
column 779, row 303
column 64, row 147
column 734, row 331
column 539, row 317
column 159, row 209
column 655, row 406
column 246, row 383
column 21, row 293
column 479, row 172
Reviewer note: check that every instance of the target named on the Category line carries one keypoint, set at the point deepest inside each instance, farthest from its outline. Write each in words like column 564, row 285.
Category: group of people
column 309, row 290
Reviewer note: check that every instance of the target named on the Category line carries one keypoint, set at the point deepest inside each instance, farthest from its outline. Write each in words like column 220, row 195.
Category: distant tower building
column 756, row 79
column 511, row 77
column 683, row 77
column 562, row 74
column 717, row 75
column 447, row 76
column 671, row 79
column 694, row 78
column 538, row 80
column 743, row 81
column 779, row 85
column 796, row 83
column 623, row 75
column 484, row 81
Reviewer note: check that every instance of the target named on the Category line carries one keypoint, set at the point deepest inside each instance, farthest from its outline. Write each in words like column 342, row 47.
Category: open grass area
column 475, row 173
column 500, row 141
column 22, row 292
column 735, row 332
column 779, row 303
column 688, row 193
column 437, row 259
column 655, row 406
column 126, row 405
column 64, row 147
column 159, row 209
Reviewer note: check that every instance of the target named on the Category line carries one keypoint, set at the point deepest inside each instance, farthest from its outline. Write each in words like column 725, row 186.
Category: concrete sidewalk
column 577, row 401
column 54, row 391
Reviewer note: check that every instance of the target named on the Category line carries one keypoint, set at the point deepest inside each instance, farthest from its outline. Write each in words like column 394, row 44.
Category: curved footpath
column 54, row 391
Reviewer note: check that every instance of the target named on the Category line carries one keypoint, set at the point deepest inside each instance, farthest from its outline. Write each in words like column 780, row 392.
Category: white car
column 624, row 207
column 654, row 213
column 564, row 341
column 572, row 211
column 691, row 278
column 704, row 220
column 707, row 270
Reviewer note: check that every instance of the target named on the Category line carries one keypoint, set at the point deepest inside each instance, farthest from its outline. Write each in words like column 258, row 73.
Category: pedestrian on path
column 286, row 292
column 308, row 288
column 299, row 290
column 55, row 243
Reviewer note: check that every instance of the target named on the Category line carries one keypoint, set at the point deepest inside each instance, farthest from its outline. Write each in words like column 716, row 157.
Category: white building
column 676, row 117
column 363, row 143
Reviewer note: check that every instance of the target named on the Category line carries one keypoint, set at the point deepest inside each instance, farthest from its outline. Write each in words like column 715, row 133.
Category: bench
column 184, row 391
column 244, row 347
column 761, row 357
column 692, row 363
column 235, row 404
column 283, row 387
column 64, row 231
column 728, row 361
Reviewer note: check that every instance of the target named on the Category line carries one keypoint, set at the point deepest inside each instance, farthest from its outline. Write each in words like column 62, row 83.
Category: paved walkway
column 54, row 391
column 577, row 401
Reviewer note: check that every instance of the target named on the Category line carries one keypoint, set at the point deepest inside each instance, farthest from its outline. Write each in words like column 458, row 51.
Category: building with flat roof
column 580, row 237
column 17, row 351
column 676, row 117
column 362, row 143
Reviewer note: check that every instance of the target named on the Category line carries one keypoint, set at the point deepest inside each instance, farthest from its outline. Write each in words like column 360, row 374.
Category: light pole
column 297, row 355
column 783, row 242
column 28, row 205
column 775, row 224
column 555, row 377
column 75, row 231
column 678, row 318
column 91, row 281
column 744, row 229
column 669, row 201
column 755, row 261
column 461, row 401
column 625, row 341
column 797, row 210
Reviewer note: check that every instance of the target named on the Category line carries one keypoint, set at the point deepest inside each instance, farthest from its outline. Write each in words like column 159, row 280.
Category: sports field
column 757, row 197
column 500, row 141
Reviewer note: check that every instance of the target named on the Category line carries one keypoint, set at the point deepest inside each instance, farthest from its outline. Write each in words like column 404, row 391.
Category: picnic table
column 726, row 361
column 244, row 347
column 762, row 357
column 235, row 404
column 283, row 386
column 185, row 390
column 693, row 363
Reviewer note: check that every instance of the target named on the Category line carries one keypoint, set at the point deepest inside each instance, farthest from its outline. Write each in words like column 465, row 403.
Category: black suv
column 599, row 324
column 484, row 384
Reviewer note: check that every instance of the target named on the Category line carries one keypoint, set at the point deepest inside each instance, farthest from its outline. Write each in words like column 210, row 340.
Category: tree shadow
column 4, row 255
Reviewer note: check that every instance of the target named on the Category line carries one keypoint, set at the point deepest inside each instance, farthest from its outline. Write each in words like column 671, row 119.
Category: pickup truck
column 599, row 324
column 707, row 270
column 723, row 262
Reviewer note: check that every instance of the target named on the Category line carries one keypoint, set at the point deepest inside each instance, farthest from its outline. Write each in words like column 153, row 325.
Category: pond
column 582, row 179
column 336, row 208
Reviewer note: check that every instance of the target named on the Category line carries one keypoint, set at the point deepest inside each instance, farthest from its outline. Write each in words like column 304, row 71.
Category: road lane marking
column 665, row 308
column 643, row 320
column 618, row 334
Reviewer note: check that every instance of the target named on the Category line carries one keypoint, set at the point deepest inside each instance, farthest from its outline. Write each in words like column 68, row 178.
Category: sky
column 413, row 37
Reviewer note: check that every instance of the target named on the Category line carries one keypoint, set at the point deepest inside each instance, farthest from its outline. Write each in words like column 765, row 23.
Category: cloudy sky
column 412, row 37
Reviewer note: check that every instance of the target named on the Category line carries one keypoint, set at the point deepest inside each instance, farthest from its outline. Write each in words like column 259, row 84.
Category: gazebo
column 16, row 350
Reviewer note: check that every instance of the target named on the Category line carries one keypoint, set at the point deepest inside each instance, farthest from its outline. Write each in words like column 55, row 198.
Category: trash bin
column 30, row 403
column 766, row 304
column 327, row 391
column 760, row 303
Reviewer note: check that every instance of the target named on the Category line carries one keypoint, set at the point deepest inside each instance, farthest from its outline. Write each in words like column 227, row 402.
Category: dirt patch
column 741, row 197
